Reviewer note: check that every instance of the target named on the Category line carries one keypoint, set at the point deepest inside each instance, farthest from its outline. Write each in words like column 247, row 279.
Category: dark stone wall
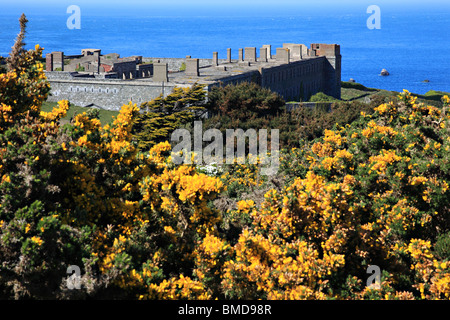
column 108, row 94
column 297, row 80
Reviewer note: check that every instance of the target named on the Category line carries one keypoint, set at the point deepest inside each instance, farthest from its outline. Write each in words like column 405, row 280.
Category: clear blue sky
column 212, row 2
column 149, row 7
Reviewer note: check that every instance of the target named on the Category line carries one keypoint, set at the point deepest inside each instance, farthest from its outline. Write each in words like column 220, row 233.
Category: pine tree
column 165, row 114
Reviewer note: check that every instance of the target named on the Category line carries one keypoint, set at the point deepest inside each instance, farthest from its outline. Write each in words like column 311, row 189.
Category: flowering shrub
column 373, row 192
column 82, row 194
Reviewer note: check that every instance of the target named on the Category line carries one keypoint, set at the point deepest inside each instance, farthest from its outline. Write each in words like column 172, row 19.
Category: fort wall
column 108, row 94
column 332, row 69
column 297, row 80
column 125, row 69
column 251, row 76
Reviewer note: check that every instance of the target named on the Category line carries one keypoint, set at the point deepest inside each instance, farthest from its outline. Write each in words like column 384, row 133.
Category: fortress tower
column 332, row 70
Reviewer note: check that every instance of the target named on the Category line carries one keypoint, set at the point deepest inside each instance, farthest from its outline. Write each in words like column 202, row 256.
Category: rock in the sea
column 426, row 80
column 384, row 72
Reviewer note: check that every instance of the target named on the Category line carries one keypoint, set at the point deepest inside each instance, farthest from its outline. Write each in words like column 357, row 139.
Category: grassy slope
column 355, row 91
column 104, row 115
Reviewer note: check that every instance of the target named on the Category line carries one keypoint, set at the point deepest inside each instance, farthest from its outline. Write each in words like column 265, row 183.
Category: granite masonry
column 107, row 81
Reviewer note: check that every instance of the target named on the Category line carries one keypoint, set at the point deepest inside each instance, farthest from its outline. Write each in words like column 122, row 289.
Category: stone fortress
column 107, row 81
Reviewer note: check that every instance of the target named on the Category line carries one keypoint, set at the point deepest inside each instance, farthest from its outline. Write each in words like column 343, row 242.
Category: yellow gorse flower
column 57, row 113
column 37, row 240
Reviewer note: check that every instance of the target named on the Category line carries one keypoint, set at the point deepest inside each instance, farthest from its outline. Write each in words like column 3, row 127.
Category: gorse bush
column 81, row 194
column 371, row 192
column 243, row 100
column 442, row 246
column 322, row 97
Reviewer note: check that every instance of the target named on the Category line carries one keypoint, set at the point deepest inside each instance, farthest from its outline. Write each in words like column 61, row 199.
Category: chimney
column 295, row 50
column 241, row 55
column 250, row 54
column 229, row 55
column 263, row 54
column 311, row 52
column 97, row 60
column 58, row 59
column 160, row 72
column 192, row 67
column 269, row 50
column 49, row 62
column 283, row 55
column 215, row 60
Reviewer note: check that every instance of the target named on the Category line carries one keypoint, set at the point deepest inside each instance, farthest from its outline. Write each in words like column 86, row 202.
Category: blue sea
column 412, row 44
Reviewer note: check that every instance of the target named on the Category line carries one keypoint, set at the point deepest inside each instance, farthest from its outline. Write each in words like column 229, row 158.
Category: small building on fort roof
column 294, row 71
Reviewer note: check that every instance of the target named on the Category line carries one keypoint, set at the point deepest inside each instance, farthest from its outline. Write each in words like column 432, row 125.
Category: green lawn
column 433, row 95
column 355, row 91
column 106, row 116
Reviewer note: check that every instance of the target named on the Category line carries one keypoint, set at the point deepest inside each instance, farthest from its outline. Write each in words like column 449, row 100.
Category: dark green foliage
column 442, row 246
column 322, row 97
column 162, row 116
column 432, row 97
column 35, row 270
column 244, row 100
column 2, row 65
column 245, row 106
column 297, row 125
